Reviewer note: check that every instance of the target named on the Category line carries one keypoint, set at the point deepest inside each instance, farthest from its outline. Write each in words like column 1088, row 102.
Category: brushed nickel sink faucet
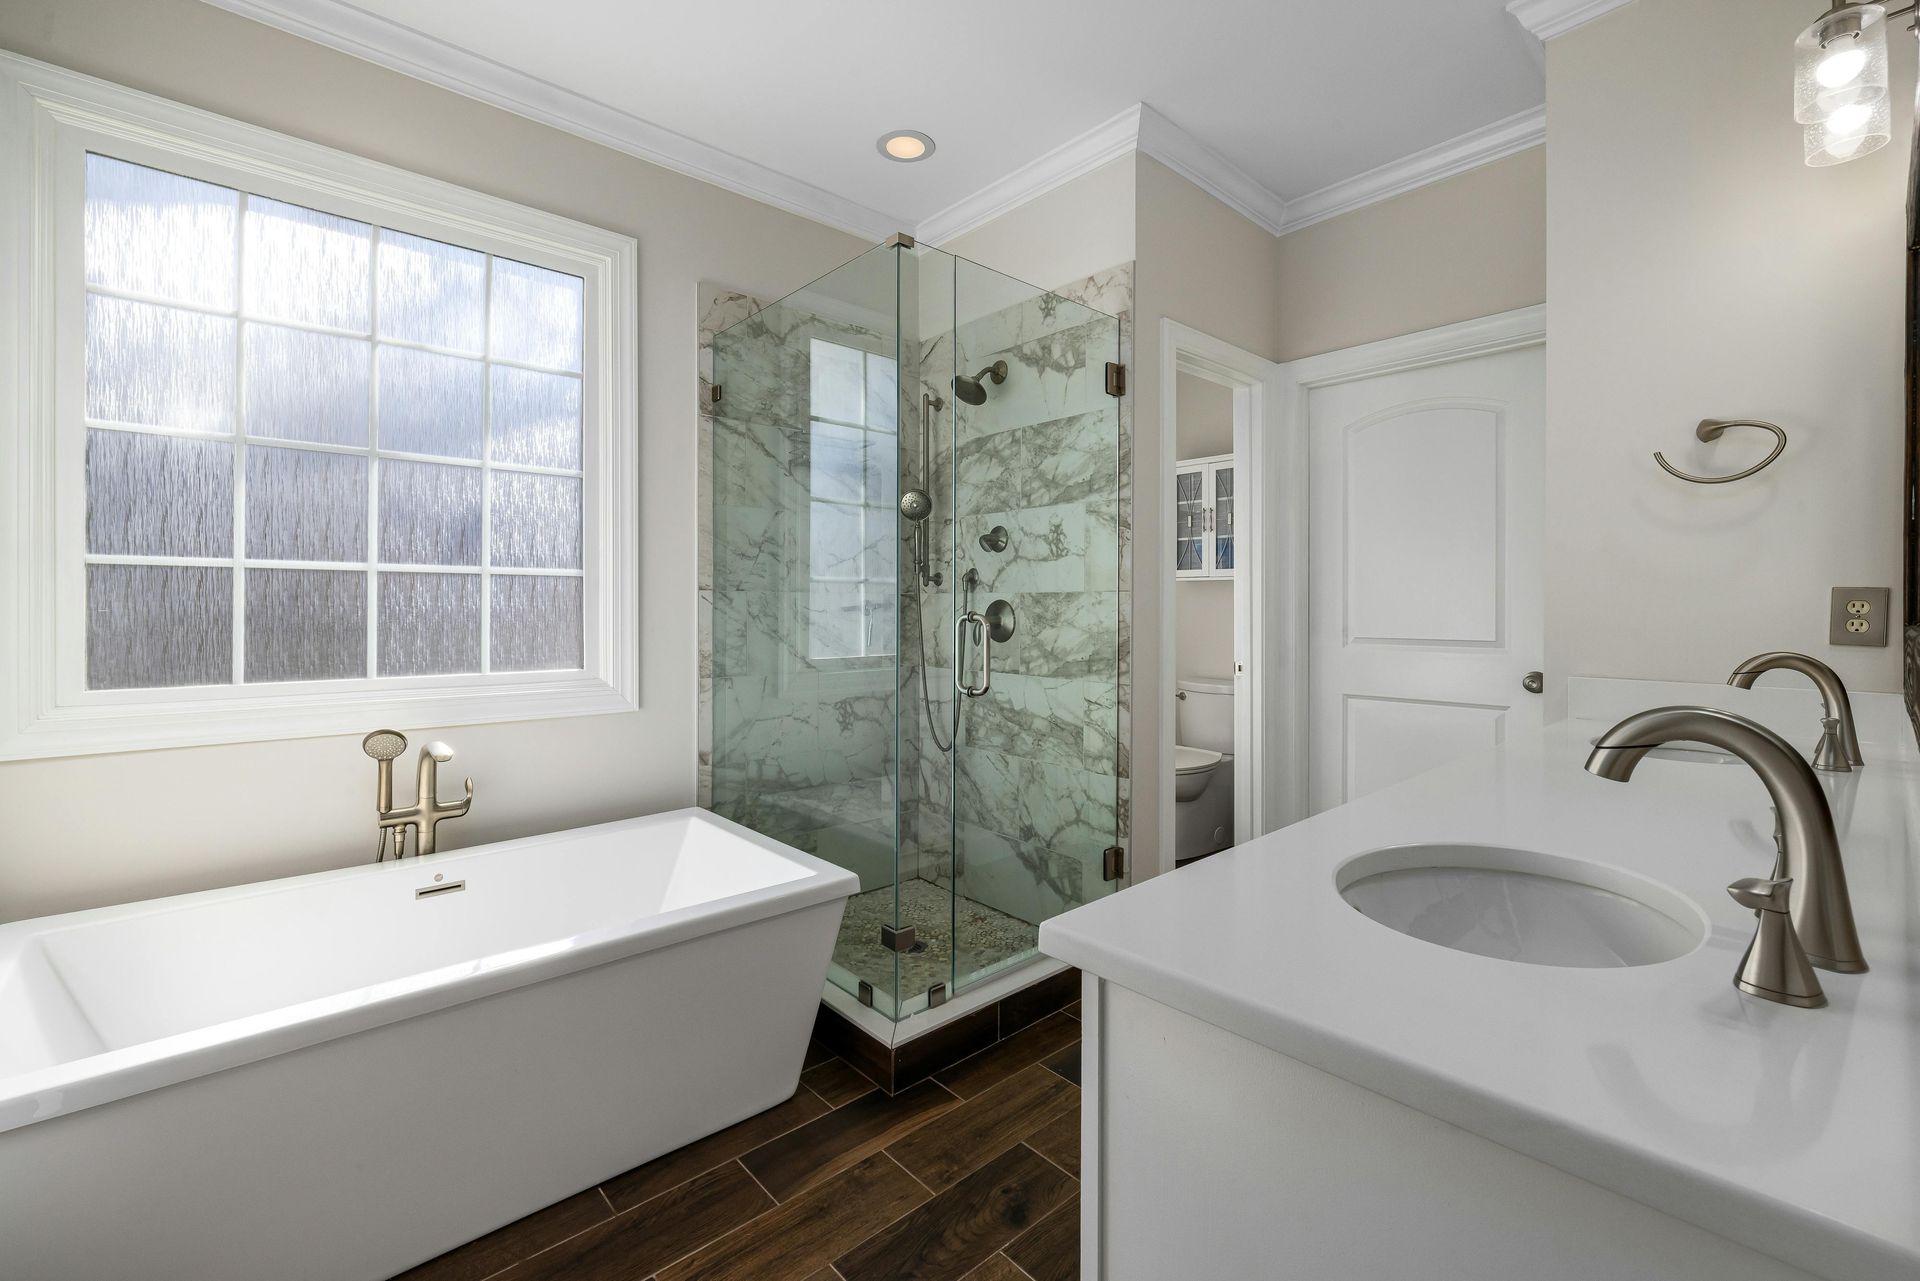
column 1821, row 911
column 1836, row 757
column 427, row 812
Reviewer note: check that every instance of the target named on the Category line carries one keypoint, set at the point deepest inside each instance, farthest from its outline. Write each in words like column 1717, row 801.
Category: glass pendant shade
column 1840, row 61
column 1849, row 132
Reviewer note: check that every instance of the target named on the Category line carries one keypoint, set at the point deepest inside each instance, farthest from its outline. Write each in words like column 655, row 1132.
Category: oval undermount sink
column 1522, row 905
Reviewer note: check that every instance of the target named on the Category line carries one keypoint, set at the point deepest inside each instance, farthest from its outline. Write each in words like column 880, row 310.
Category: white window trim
column 49, row 118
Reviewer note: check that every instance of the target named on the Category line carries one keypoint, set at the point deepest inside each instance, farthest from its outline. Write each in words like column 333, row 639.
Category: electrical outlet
column 1858, row 616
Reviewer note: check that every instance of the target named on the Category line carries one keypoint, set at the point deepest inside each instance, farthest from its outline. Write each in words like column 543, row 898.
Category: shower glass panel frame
column 897, row 447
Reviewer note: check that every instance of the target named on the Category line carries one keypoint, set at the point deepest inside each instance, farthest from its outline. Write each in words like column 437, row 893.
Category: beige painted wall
column 1069, row 233
column 1204, row 414
column 1469, row 246
column 1202, row 264
column 103, row 829
column 1700, row 269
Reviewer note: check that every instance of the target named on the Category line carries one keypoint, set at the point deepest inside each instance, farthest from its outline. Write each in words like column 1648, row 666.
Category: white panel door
column 1426, row 567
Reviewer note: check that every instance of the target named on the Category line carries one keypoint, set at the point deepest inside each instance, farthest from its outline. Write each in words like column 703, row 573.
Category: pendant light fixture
column 1840, row 83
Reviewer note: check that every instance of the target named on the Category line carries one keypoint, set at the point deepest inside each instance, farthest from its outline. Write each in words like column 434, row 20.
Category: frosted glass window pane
column 838, row 461
column 883, row 470
column 429, row 515
column 155, row 233
column 883, row 394
column 158, row 625
column 306, row 266
column 837, row 378
column 536, row 315
column 535, row 623
column 158, row 495
column 306, row 386
column 432, row 292
column 306, row 625
column 159, row 366
column 303, row 505
column 536, row 418
column 536, row 521
column 429, row 624
column 431, row 404
column 836, row 541
column 835, row 626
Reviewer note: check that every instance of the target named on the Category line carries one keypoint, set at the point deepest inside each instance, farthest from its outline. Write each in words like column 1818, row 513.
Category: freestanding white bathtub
column 338, row 1076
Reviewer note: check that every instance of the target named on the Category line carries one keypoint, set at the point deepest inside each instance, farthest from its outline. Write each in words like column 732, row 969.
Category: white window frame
column 49, row 119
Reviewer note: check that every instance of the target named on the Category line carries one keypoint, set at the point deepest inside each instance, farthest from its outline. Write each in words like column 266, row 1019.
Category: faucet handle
column 1775, row 966
column 1830, row 755
column 1762, row 894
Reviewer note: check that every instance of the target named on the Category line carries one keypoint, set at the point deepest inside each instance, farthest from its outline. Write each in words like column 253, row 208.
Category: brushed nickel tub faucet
column 427, row 812
column 1834, row 756
column 1822, row 913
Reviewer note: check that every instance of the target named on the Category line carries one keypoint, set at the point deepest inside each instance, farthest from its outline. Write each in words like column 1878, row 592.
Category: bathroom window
column 324, row 442
column 851, row 529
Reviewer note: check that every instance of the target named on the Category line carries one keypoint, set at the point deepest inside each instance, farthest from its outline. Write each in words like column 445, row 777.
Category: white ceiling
column 1298, row 94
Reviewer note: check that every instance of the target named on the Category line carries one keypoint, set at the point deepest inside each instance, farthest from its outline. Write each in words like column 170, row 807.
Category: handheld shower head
column 915, row 505
column 972, row 390
column 384, row 744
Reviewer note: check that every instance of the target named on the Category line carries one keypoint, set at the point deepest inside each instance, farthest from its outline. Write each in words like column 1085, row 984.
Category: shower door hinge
column 866, row 993
column 1113, row 863
column 936, row 996
column 1116, row 378
column 897, row 939
column 713, row 394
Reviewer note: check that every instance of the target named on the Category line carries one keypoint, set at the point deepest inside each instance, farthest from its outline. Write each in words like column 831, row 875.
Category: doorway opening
column 1216, row 450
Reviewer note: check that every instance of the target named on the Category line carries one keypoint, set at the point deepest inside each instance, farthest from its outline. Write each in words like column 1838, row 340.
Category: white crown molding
column 1545, row 19
column 1109, row 140
column 1138, row 128
column 397, row 47
column 1210, row 171
column 1456, row 155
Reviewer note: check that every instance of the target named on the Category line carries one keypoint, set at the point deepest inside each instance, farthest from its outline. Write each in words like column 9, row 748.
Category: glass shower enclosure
column 916, row 607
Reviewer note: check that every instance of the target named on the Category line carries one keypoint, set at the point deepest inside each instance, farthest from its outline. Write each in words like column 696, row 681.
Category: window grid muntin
column 867, row 511
column 372, row 567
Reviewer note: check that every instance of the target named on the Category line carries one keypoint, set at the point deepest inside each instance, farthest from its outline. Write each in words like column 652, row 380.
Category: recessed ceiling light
column 905, row 145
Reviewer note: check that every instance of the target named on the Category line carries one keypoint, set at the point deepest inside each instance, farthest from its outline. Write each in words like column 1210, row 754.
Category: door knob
column 1534, row 682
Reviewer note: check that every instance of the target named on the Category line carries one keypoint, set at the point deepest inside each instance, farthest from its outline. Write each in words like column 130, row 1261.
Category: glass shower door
column 1036, row 779
column 805, row 593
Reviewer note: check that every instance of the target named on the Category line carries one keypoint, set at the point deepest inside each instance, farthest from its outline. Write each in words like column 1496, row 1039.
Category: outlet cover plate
column 1858, row 616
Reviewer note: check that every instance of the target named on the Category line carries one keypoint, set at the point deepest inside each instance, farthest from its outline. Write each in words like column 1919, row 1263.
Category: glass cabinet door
column 1190, row 522
column 1223, row 560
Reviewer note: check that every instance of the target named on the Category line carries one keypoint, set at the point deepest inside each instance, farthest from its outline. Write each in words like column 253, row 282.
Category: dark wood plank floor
column 970, row 1176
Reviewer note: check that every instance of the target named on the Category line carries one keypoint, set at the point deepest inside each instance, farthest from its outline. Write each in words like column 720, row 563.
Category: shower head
column 971, row 390
column 384, row 744
column 915, row 505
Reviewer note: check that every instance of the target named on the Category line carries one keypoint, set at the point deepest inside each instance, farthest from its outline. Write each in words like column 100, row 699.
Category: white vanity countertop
column 1796, row 1132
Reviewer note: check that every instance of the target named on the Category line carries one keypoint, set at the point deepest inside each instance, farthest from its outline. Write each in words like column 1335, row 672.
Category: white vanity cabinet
column 1203, row 525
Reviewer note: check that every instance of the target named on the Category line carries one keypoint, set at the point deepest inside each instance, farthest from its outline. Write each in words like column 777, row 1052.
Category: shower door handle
column 983, row 636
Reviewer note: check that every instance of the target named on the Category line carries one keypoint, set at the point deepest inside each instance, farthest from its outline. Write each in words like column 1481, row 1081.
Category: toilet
column 1202, row 766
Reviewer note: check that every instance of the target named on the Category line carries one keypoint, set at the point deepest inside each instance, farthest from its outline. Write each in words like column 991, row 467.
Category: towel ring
column 1710, row 429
